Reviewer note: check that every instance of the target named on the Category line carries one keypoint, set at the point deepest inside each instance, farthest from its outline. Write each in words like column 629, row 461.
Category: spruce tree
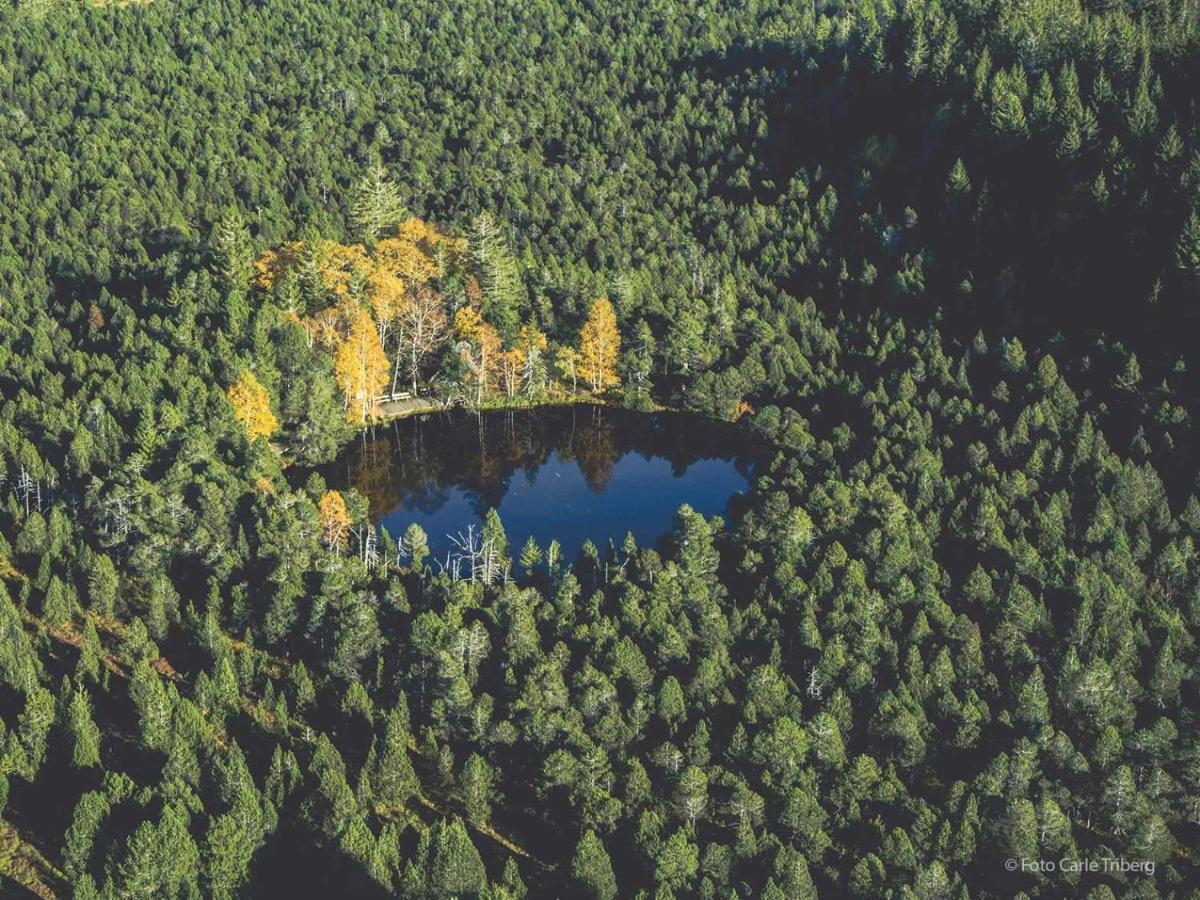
column 85, row 735
column 375, row 205
column 592, row 868
column 454, row 867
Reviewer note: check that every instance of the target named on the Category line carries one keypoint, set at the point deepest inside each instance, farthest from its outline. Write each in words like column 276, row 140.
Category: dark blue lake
column 571, row 473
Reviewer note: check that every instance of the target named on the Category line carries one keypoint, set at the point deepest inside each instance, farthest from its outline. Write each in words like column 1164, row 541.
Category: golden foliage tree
column 405, row 259
column 417, row 231
column 337, row 265
column 418, row 252
column 340, row 264
column 361, row 366
column 252, row 406
column 335, row 520
column 270, row 267
column 389, row 286
column 512, row 365
column 479, row 346
column 600, row 346
column 386, row 294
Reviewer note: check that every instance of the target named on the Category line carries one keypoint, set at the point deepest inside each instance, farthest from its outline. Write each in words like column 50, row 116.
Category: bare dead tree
column 814, row 682
column 367, row 539
column 421, row 325
column 25, row 487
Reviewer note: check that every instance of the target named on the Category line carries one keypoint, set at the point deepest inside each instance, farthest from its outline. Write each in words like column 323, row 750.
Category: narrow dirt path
column 395, row 409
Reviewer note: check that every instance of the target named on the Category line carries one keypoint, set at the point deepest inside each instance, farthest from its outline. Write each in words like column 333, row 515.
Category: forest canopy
column 940, row 258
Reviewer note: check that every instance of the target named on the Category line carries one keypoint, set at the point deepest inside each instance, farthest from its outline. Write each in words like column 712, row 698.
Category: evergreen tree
column 499, row 277
column 592, row 868
column 375, row 205
column 84, row 734
column 233, row 251
column 393, row 780
column 454, row 867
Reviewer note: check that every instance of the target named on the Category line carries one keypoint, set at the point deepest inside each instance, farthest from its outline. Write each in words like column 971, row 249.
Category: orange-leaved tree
column 600, row 346
column 335, row 520
column 405, row 259
column 361, row 367
column 252, row 406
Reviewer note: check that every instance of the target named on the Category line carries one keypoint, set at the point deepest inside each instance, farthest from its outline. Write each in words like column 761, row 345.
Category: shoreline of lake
column 566, row 471
column 500, row 404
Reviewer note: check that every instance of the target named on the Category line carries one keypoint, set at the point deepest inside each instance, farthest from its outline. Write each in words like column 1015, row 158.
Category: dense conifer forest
column 938, row 260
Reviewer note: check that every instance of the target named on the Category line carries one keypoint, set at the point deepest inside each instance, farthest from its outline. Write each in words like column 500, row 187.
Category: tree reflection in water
column 571, row 473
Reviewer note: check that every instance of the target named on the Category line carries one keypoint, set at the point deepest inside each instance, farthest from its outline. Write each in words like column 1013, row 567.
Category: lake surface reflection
column 571, row 473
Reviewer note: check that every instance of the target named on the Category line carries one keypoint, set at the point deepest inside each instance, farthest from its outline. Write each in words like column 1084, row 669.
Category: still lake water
column 574, row 473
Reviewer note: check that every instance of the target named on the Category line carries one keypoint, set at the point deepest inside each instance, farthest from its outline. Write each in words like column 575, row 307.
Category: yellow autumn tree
column 512, row 365
column 269, row 267
column 385, row 291
column 479, row 346
column 415, row 230
column 409, row 252
column 252, row 406
column 386, row 297
column 336, row 265
column 325, row 328
column 341, row 264
column 405, row 259
column 600, row 346
column 418, row 252
column 335, row 520
column 361, row 366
